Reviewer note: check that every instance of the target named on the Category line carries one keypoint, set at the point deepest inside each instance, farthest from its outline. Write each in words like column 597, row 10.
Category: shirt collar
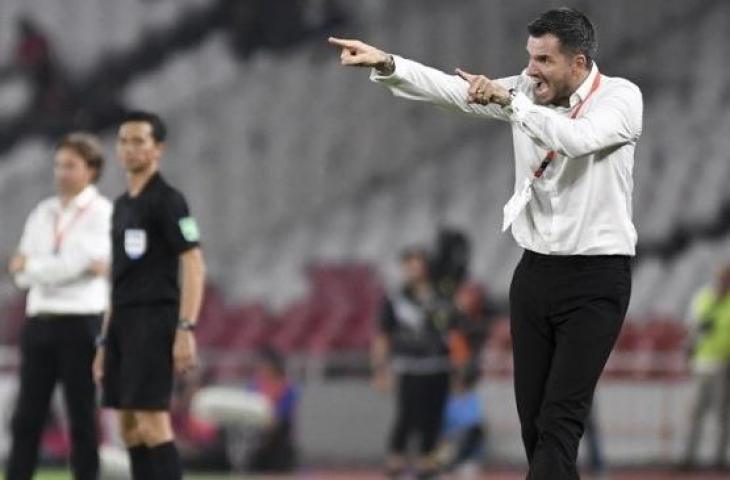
column 154, row 179
column 582, row 92
column 83, row 198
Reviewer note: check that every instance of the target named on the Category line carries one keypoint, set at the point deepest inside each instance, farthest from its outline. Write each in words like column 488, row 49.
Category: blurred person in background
column 412, row 344
column 200, row 442
column 464, row 433
column 471, row 328
column 275, row 448
column 259, row 419
column 574, row 131
column 63, row 260
column 462, row 447
column 709, row 330
column 158, row 274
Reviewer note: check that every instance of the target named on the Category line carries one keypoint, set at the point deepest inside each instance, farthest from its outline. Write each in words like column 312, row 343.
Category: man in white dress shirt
column 63, row 261
column 574, row 131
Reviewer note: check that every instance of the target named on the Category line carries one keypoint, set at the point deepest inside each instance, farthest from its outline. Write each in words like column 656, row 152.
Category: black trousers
column 419, row 411
column 56, row 348
column 566, row 312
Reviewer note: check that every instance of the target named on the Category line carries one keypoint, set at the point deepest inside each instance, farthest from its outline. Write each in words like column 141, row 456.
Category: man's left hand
column 185, row 351
column 484, row 91
column 98, row 268
column 17, row 264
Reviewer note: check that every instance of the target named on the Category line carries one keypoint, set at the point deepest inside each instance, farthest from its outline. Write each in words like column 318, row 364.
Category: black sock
column 166, row 462
column 139, row 457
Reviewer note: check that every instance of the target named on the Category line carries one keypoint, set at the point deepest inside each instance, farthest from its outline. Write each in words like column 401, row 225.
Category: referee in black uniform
column 157, row 284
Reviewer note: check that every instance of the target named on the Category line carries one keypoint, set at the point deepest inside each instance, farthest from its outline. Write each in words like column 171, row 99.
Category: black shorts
column 138, row 365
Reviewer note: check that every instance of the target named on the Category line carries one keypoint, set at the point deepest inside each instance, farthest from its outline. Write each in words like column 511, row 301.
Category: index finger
column 342, row 42
column 469, row 77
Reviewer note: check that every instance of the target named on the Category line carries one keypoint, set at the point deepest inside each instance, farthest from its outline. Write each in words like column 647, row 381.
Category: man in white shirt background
column 574, row 132
column 63, row 260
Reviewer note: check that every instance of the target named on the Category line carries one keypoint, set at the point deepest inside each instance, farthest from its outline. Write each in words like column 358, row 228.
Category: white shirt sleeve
column 26, row 246
column 615, row 119
column 71, row 263
column 21, row 280
column 414, row 81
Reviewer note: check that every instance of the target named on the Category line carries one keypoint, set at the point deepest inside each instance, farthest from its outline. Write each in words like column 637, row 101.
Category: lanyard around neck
column 59, row 234
column 573, row 115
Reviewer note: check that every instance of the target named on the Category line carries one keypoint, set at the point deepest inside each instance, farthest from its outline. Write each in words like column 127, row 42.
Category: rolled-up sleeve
column 613, row 119
column 414, row 81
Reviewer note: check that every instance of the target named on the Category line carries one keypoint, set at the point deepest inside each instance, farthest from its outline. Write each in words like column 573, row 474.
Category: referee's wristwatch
column 186, row 325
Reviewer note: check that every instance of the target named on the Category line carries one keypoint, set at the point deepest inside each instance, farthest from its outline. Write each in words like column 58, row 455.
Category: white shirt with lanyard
column 580, row 203
column 60, row 244
column 514, row 207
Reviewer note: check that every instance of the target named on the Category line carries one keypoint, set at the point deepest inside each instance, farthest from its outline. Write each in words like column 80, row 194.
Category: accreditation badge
column 135, row 242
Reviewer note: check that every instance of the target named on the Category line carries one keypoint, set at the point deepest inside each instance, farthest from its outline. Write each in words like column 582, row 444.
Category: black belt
column 62, row 316
column 577, row 260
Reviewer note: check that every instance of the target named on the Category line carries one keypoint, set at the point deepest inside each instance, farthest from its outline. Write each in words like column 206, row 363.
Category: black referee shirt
column 149, row 232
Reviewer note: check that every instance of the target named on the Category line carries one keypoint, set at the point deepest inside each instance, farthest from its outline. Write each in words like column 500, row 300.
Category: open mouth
column 541, row 87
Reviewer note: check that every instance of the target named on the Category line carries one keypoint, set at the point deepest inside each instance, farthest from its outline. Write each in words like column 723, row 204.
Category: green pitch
column 63, row 475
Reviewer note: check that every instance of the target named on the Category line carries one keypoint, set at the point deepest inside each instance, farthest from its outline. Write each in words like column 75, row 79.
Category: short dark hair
column 159, row 130
column 88, row 147
column 573, row 28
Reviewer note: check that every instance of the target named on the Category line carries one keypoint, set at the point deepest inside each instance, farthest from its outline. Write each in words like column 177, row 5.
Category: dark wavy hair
column 573, row 28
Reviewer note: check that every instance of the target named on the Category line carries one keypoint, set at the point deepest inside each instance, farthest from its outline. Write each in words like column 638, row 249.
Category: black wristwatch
column 512, row 95
column 186, row 325
column 388, row 67
column 100, row 340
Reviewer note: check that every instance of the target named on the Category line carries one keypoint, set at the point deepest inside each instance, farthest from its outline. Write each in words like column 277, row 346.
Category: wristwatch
column 100, row 340
column 388, row 66
column 512, row 95
column 186, row 325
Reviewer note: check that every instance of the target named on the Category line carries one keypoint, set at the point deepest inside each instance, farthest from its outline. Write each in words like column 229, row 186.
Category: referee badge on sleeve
column 189, row 229
column 135, row 242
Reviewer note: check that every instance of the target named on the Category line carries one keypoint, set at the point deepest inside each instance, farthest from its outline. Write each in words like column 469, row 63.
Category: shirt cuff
column 519, row 107
column 21, row 280
column 32, row 266
column 376, row 76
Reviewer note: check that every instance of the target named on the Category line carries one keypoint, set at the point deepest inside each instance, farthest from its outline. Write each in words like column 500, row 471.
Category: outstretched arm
column 472, row 94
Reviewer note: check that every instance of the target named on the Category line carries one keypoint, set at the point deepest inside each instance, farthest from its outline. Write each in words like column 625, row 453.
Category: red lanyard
column 59, row 234
column 573, row 115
